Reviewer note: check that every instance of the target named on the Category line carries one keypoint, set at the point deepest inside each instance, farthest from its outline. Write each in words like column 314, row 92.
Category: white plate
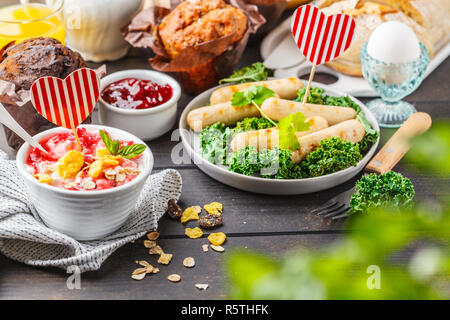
column 191, row 144
column 356, row 86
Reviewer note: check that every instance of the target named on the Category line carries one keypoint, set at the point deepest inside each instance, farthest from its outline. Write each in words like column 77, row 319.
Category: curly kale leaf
column 332, row 155
column 252, row 124
column 315, row 96
column 276, row 163
column 213, row 143
column 255, row 72
column 388, row 190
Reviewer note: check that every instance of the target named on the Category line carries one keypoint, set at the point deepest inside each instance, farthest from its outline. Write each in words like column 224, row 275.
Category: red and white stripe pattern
column 321, row 38
column 66, row 103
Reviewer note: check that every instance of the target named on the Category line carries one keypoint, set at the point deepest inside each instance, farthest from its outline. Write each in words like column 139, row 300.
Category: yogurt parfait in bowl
column 102, row 163
column 90, row 192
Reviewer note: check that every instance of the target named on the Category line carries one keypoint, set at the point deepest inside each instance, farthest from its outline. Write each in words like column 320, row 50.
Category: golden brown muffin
column 198, row 21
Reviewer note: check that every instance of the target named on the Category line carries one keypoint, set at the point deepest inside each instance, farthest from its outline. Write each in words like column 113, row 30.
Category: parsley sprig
column 127, row 152
column 255, row 72
column 255, row 95
column 289, row 126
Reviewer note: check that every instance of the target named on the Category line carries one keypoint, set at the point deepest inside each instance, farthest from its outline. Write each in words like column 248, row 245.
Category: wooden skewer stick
column 311, row 77
column 78, row 139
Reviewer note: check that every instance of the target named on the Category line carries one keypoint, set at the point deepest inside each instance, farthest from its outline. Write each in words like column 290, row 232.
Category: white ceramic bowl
column 85, row 215
column 191, row 143
column 147, row 124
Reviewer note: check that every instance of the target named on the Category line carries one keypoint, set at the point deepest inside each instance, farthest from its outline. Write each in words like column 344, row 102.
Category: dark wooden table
column 267, row 223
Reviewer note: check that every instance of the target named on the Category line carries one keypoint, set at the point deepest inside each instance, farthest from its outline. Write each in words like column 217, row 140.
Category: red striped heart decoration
column 321, row 38
column 66, row 103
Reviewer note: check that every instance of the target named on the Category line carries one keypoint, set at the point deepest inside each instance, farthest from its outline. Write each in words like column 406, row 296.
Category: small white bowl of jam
column 142, row 102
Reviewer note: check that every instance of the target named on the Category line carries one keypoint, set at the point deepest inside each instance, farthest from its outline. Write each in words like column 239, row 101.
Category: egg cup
column 393, row 81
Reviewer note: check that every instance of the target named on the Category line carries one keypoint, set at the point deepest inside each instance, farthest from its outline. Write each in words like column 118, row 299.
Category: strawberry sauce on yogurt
column 92, row 168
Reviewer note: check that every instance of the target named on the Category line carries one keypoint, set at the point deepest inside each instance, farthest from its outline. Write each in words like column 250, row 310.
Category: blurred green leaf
column 245, row 268
column 431, row 151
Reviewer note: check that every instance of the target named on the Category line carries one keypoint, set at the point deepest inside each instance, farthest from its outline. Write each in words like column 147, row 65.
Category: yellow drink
column 21, row 22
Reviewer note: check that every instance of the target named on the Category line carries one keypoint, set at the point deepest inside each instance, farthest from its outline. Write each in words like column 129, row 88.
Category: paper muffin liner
column 271, row 11
column 18, row 104
column 198, row 67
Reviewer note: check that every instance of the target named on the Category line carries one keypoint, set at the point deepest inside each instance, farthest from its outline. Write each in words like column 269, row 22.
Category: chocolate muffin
column 24, row 63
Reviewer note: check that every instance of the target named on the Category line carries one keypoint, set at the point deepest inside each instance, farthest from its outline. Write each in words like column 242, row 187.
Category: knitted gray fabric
column 25, row 238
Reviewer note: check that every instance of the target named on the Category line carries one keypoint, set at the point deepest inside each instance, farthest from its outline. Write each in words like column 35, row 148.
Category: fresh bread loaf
column 430, row 20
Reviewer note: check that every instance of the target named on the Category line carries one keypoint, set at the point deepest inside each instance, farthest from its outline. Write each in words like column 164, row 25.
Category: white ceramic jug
column 93, row 27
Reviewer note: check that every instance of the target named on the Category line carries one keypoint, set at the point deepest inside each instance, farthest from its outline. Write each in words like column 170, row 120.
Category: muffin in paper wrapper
column 16, row 98
column 197, row 67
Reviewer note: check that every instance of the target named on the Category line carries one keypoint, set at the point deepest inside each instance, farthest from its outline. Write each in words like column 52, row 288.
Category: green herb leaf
column 108, row 142
column 132, row 151
column 113, row 147
column 255, row 72
column 254, row 94
column 289, row 126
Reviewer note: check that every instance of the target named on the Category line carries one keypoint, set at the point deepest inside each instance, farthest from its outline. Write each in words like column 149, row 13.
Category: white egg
column 394, row 42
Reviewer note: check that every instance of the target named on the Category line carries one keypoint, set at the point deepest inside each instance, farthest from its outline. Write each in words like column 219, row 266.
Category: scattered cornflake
column 44, row 178
column 189, row 262
column 138, row 277
column 165, row 258
column 217, row 248
column 214, row 208
column 194, row 233
column 149, row 244
column 153, row 236
column 200, row 286
column 156, row 250
column 70, row 164
column 144, row 263
column 205, row 248
column 217, row 239
column 139, row 271
column 174, row 278
column 190, row 214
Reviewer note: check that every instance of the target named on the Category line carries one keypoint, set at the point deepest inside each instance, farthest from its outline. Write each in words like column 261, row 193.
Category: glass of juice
column 24, row 19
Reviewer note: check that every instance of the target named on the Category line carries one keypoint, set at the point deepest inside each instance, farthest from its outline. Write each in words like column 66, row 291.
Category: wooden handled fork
column 386, row 159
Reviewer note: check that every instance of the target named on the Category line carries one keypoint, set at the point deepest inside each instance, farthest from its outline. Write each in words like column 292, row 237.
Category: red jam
column 136, row 94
